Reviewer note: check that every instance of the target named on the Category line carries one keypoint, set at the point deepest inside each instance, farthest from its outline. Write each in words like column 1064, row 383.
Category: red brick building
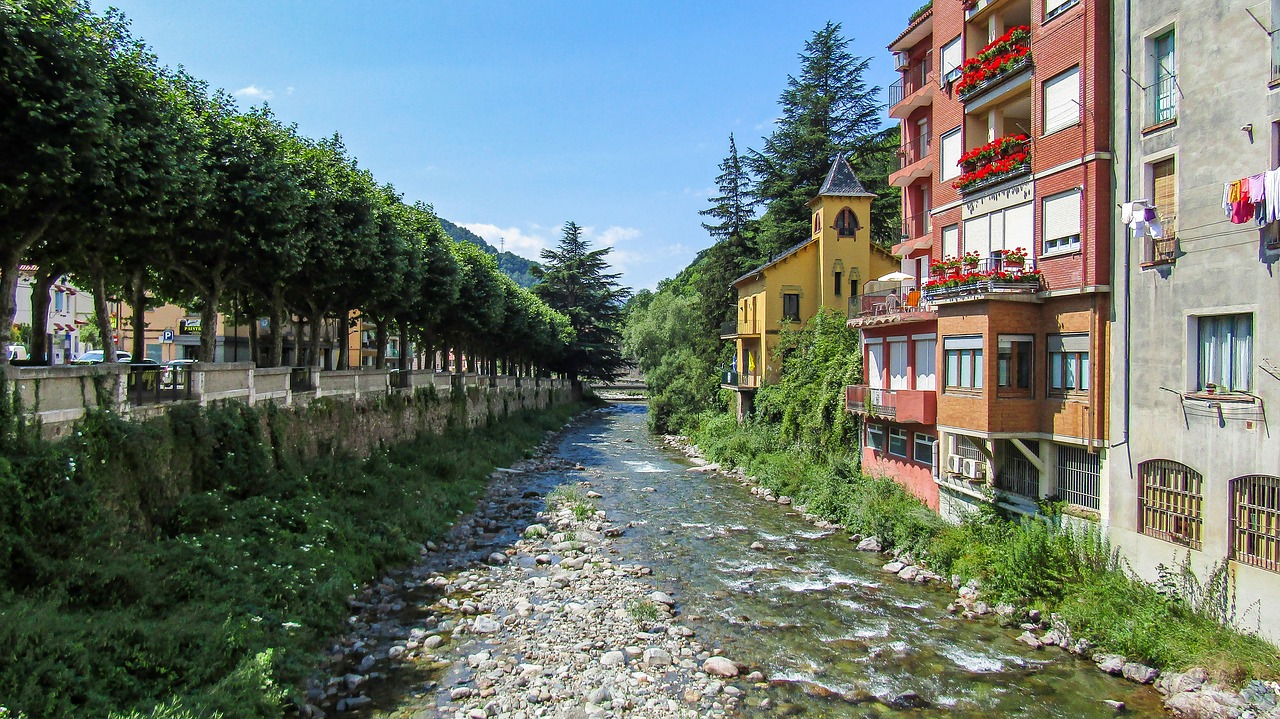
column 1006, row 181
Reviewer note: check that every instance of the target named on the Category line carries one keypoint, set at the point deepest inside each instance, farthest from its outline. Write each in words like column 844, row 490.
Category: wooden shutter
column 1164, row 191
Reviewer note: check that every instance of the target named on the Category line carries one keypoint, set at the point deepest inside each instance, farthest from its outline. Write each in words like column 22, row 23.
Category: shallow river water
column 818, row 617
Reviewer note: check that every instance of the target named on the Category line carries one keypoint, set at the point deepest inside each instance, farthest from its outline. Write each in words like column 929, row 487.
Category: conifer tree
column 732, row 207
column 827, row 109
column 574, row 280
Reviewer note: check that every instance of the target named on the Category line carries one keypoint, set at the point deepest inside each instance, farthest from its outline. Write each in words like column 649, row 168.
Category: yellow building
column 823, row 271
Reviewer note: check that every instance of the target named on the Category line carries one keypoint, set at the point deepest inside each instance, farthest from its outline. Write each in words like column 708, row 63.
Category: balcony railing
column 1162, row 251
column 914, row 77
column 916, row 225
column 153, row 384
column 740, row 380
column 1162, row 101
column 902, row 405
column 1000, row 60
column 911, row 152
column 882, row 303
column 729, row 329
column 993, row 276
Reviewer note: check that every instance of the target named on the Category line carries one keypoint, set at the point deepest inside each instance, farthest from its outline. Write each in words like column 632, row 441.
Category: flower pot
column 1015, row 263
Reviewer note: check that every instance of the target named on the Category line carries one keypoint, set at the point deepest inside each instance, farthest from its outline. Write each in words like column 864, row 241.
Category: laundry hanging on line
column 1143, row 219
column 1255, row 198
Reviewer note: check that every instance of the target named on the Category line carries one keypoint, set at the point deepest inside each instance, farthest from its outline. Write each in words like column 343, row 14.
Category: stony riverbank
column 1187, row 694
column 526, row 610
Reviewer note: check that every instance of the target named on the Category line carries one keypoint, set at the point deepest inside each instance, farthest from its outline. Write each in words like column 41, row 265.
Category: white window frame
column 965, row 347
column 1238, row 360
column 925, row 348
column 926, row 441
column 949, row 167
column 876, row 440
column 1063, row 240
column 946, row 69
column 1054, row 8
column 898, row 434
column 1055, row 119
column 951, row 245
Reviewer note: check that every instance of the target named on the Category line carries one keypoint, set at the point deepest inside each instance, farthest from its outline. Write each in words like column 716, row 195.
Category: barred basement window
column 1078, row 476
column 1170, row 505
column 1255, row 521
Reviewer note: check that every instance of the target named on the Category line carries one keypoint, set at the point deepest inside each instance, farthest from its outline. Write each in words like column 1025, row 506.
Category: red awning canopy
column 910, row 247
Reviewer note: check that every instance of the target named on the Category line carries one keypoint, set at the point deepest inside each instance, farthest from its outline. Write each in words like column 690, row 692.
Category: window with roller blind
column 1054, row 8
column 951, row 241
column 1062, row 101
column 926, row 363
column 950, row 159
column 875, row 364
column 1000, row 230
column 898, row 378
column 1164, row 194
column 1061, row 214
column 952, row 59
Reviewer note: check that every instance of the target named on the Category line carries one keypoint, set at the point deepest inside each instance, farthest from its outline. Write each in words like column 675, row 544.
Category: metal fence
column 913, row 78
column 300, row 379
column 1078, row 476
column 1017, row 475
column 1162, row 100
column 153, row 384
column 912, row 151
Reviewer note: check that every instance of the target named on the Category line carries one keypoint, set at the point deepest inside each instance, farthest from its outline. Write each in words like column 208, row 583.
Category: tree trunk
column 9, row 274
column 100, row 314
column 138, row 285
column 253, row 342
column 40, row 350
column 315, row 321
column 297, row 343
column 209, row 323
column 403, row 329
column 382, row 333
column 344, row 339
column 276, row 353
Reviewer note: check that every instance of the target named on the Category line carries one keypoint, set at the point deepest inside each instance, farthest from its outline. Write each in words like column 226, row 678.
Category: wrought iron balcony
column 987, row 279
column 914, row 77
column 735, row 380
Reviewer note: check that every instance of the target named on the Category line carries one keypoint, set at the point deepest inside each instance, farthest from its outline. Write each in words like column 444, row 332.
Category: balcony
column 988, row 279
column 995, row 163
column 914, row 89
column 889, row 306
column 908, row 406
column 739, row 381
column 1005, row 62
column 733, row 330
column 917, row 225
column 912, row 162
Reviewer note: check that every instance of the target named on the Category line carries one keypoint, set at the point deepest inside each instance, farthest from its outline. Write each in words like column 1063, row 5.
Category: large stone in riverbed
column 720, row 667
column 1140, row 673
column 893, row 567
column 485, row 625
column 657, row 657
column 613, row 659
column 1110, row 663
column 662, row 598
column 870, row 544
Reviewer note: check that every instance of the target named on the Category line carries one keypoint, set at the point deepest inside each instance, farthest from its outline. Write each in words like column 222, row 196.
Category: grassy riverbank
column 1041, row 563
column 124, row 586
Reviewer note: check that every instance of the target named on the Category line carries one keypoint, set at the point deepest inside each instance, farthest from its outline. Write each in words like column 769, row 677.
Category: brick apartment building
column 1007, row 204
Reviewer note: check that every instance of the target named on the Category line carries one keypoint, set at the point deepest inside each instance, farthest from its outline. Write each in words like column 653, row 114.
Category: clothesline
column 1255, row 198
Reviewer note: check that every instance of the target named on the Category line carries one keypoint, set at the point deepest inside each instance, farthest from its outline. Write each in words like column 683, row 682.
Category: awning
column 904, row 249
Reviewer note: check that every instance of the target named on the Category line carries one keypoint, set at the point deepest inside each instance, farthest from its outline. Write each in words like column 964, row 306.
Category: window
column 1226, row 352
column 1009, row 228
column 838, row 284
column 1255, row 521
column 847, row 224
column 1054, row 8
column 791, row 306
column 1068, row 363
column 1078, row 472
column 875, row 437
column 817, row 222
column 1062, row 222
column 1163, row 92
column 950, row 160
column 875, row 365
column 898, row 442
column 923, row 448
column 1169, row 507
column 1014, row 362
column 950, row 241
column 952, row 59
column 926, row 364
column 964, row 361
column 1164, row 194
column 1062, row 101
column 898, row 364
column 59, row 300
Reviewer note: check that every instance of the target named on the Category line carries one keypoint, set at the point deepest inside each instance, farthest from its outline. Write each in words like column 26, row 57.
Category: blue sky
column 513, row 117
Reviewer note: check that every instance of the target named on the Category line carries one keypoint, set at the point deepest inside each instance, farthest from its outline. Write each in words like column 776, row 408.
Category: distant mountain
column 513, row 266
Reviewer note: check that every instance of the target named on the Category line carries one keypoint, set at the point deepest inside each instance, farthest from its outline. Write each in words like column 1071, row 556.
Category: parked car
column 175, row 372
column 17, row 352
column 95, row 357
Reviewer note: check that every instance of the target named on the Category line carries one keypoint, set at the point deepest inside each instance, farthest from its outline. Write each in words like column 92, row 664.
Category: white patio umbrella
column 895, row 277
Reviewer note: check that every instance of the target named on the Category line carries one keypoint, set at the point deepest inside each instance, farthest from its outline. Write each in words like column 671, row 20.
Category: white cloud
column 516, row 240
column 611, row 236
column 255, row 93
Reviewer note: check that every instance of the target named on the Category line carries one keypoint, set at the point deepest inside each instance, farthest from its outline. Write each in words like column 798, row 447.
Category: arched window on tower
column 847, row 224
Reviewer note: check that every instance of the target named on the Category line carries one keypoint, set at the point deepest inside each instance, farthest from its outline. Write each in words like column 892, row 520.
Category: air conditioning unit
column 973, row 469
column 901, row 60
column 955, row 463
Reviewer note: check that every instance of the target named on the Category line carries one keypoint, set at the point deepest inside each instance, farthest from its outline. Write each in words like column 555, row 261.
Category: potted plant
column 1210, row 388
column 1016, row 257
column 971, row 261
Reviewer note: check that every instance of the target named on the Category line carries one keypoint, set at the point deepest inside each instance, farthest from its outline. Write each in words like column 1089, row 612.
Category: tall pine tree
column 827, row 110
column 574, row 279
column 732, row 207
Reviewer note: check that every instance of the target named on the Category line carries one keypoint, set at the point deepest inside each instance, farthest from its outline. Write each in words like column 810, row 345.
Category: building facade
column 1195, row 468
column 70, row 310
column 1005, row 169
column 822, row 271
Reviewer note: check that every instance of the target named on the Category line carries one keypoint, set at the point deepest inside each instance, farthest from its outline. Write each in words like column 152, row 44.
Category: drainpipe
column 1128, row 197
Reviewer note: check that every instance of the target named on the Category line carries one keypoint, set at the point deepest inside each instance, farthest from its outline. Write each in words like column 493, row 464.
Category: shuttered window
column 898, row 365
column 1164, row 192
column 1062, row 101
column 950, row 155
column 926, row 364
column 951, row 241
column 952, row 59
column 977, row 235
column 875, row 366
column 1019, row 227
column 1003, row 229
column 1062, row 222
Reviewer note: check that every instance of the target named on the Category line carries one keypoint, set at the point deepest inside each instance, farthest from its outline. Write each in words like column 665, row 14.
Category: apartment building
column 1195, row 464
column 69, row 310
column 1005, row 260
column 821, row 271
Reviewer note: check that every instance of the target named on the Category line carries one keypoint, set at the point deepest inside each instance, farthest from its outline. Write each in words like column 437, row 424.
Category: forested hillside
column 513, row 266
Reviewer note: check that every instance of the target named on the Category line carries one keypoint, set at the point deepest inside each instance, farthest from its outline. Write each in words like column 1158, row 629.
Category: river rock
column 720, row 667
column 1188, row 681
column 1116, row 706
column 908, row 700
column 497, row 559
column 893, row 567
column 1110, row 663
column 613, row 659
column 909, row 573
column 433, row 641
column 485, row 625
column 657, row 657
column 600, row 696
column 353, row 703
column 784, row 500
column 1030, row 640
column 366, row 664
column 757, row 546
column 594, row 495
column 870, row 544
column 1140, row 673
column 1206, row 703
column 662, row 598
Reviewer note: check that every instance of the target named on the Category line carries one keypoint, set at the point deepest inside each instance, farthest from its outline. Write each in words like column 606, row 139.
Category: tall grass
column 182, row 566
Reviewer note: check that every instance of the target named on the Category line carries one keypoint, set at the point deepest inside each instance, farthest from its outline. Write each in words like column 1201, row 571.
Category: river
column 820, row 619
